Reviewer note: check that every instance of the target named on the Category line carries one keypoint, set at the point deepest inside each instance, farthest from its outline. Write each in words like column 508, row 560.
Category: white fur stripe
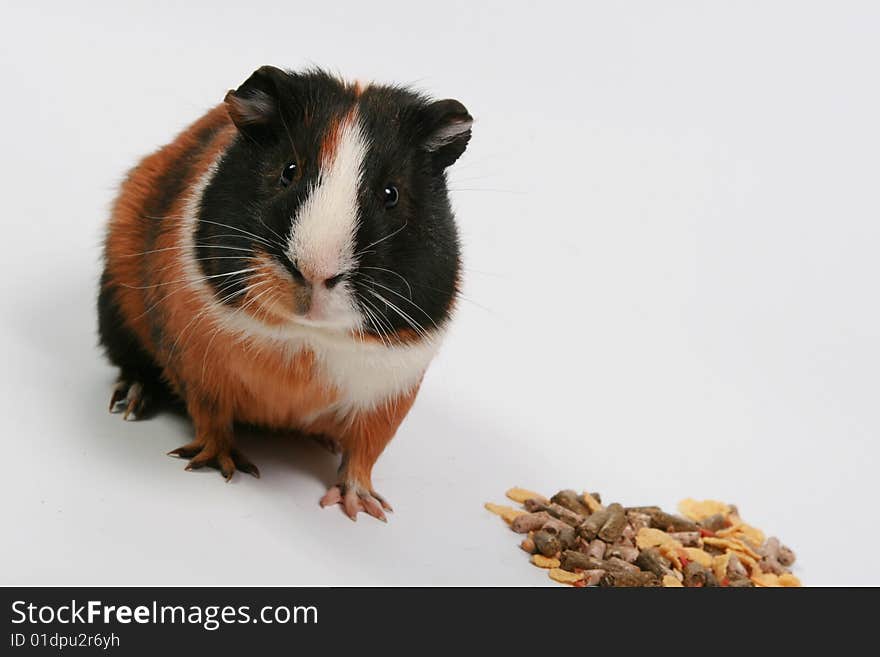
column 322, row 243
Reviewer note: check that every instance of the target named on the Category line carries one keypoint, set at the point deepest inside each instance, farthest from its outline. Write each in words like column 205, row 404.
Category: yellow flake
column 545, row 562
column 521, row 495
column 564, row 576
column 506, row 512
column 700, row 510
column 652, row 537
column 700, row 556
column 789, row 580
column 671, row 582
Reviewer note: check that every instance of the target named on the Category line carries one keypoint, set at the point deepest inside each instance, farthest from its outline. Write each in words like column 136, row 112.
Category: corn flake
column 522, row 494
column 506, row 512
column 700, row 556
column 765, row 579
column 564, row 576
column 652, row 537
column 751, row 564
column 743, row 532
column 673, row 553
column 719, row 565
column 545, row 562
column 789, row 580
column 731, row 544
column 700, row 510
column 671, row 582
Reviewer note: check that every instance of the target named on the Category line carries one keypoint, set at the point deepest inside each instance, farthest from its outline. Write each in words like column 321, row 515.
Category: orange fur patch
column 330, row 142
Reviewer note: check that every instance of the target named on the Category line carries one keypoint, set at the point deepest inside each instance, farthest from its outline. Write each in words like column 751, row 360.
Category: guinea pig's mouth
column 325, row 324
column 287, row 310
column 288, row 299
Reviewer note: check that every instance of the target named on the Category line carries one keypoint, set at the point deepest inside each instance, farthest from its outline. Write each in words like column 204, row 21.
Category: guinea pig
column 289, row 261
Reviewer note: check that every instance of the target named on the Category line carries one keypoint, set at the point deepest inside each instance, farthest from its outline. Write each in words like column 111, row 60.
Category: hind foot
column 227, row 460
column 132, row 399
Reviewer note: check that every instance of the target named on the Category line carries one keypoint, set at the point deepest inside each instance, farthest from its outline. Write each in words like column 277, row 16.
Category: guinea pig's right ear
column 255, row 106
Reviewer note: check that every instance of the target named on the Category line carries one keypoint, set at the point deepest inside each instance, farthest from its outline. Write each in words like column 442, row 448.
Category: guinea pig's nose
column 333, row 281
column 309, row 277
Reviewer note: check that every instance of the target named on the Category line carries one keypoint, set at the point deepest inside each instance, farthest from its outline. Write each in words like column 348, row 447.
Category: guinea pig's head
column 332, row 209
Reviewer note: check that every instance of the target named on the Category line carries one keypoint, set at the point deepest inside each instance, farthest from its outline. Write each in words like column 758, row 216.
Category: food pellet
column 583, row 543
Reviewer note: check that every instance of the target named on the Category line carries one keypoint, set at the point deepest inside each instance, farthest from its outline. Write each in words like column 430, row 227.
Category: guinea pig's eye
column 288, row 173
column 390, row 196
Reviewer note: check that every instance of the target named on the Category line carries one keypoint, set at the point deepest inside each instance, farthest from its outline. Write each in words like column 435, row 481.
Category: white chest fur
column 365, row 374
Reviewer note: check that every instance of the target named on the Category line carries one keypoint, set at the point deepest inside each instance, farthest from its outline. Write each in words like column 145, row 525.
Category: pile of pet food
column 582, row 542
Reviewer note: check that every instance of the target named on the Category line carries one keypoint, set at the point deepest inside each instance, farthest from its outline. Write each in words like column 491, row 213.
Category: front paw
column 354, row 498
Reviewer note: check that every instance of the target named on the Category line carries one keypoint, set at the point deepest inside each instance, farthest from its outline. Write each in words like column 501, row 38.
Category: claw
column 382, row 501
column 136, row 399
column 118, row 394
column 131, row 398
column 187, row 451
column 201, row 459
column 372, row 507
column 243, row 465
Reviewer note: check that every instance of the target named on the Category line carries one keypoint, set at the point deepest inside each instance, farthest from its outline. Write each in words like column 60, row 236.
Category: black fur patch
column 122, row 347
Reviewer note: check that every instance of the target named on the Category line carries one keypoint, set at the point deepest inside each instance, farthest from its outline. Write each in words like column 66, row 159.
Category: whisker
column 241, row 230
column 418, row 328
column 455, row 293
column 222, row 324
column 187, row 246
column 229, row 226
column 187, row 280
column 417, row 306
column 208, row 308
column 206, row 259
column 374, row 315
column 486, row 189
column 226, row 286
column 281, row 240
column 390, row 235
column 236, row 236
column 406, row 282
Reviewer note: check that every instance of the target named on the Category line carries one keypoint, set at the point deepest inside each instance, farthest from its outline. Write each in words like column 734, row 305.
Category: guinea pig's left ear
column 254, row 106
column 446, row 130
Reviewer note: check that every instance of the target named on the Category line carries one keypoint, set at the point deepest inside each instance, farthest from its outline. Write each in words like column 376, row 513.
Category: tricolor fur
column 303, row 302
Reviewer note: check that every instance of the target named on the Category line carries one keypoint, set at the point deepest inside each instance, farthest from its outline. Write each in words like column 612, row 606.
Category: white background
column 670, row 214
